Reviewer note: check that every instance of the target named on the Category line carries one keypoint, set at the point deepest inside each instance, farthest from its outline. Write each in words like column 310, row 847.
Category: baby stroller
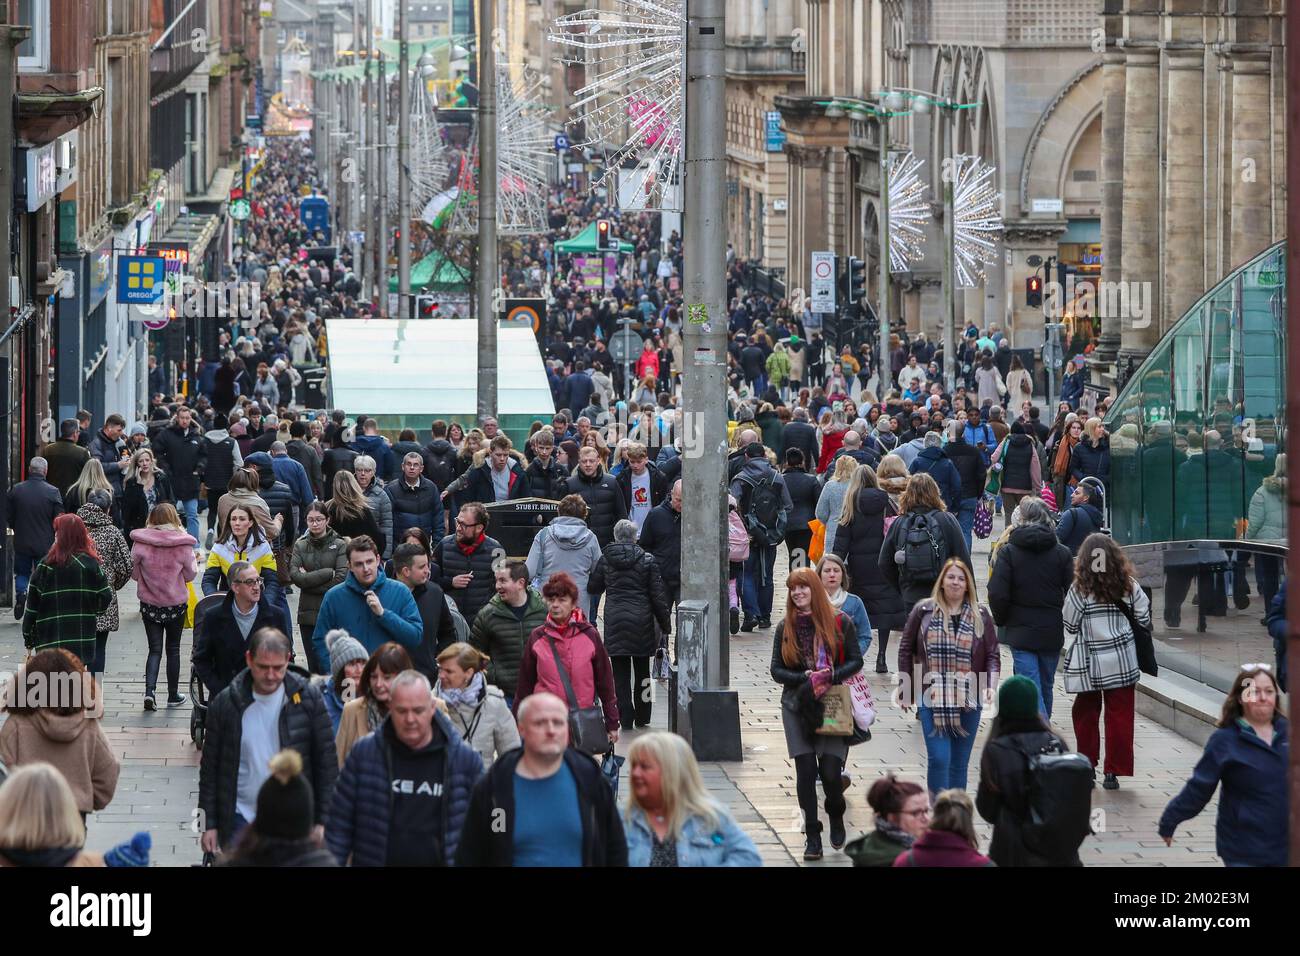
column 199, row 693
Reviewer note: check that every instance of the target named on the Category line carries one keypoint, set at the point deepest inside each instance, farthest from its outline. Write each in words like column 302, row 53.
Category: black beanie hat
column 285, row 808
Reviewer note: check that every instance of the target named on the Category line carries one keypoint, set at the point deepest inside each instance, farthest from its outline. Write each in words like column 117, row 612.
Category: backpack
column 923, row 548
column 1060, row 802
column 737, row 537
column 764, row 511
column 438, row 468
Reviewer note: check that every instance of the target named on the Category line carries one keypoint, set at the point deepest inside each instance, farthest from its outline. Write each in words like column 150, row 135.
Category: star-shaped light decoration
column 909, row 212
column 977, row 223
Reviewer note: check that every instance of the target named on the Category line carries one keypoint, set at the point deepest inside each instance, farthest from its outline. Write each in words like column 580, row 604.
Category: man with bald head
column 543, row 804
column 736, row 460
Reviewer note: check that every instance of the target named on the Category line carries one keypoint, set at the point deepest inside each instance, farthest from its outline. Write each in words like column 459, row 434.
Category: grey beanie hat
column 344, row 649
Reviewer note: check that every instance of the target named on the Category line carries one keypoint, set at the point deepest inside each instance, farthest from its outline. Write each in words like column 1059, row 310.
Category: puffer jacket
column 356, row 830
column 951, row 545
column 480, row 486
column 933, row 462
column 304, row 726
column 1003, row 797
column 221, row 459
column 1031, row 576
column 1091, row 460
column 603, row 497
column 382, row 507
column 502, row 637
column 1267, row 512
column 183, row 454
column 420, row 507
column 439, row 459
column 109, row 453
column 114, row 560
column 278, row 496
column 486, row 725
column 454, row 561
column 546, row 480
column 859, row 545
column 637, row 600
column 661, row 536
column 163, row 563
column 318, row 564
column 568, row 545
column 1021, row 469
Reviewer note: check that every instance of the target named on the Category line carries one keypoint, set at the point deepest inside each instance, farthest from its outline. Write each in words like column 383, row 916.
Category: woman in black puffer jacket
column 602, row 494
column 637, row 603
column 858, row 540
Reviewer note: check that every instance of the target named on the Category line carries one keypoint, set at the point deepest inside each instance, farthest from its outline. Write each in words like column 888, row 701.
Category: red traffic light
column 1033, row 291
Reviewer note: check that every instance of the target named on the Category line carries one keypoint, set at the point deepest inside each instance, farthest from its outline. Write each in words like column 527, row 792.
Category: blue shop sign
column 140, row 279
column 775, row 134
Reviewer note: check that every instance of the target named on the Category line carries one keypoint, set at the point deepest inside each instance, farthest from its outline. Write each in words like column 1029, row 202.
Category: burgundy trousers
column 1087, row 712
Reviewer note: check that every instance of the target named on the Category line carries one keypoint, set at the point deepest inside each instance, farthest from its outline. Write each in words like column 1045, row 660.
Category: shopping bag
column 610, row 766
column 983, row 524
column 818, row 543
column 837, row 712
column 1048, row 496
column 994, row 484
column 863, row 706
column 191, row 602
column 660, row 668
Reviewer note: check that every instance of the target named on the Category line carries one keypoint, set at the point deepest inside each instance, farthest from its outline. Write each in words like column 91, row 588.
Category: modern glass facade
column 1197, row 430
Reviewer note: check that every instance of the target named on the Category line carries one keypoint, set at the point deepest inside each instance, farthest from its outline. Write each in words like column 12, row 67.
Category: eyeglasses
column 251, row 582
column 466, row 524
column 923, row 812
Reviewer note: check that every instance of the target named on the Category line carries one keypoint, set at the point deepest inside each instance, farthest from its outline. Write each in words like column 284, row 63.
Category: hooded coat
column 604, row 499
column 440, row 462
column 1031, row 576
column 317, row 565
column 164, row 563
column 859, row 545
column 221, row 459
column 1077, row 523
column 183, row 454
column 502, row 636
column 345, row 606
column 568, row 545
column 73, row 744
column 375, row 446
column 933, row 462
column 637, row 600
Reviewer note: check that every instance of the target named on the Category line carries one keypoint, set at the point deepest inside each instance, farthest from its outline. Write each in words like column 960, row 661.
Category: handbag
column 587, row 732
column 191, row 602
column 837, row 712
column 863, row 705
column 660, row 668
column 983, row 523
column 610, row 766
column 1143, row 639
column 816, row 546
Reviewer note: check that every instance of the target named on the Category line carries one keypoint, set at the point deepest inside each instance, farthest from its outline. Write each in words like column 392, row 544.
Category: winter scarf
column 468, row 695
column 812, row 654
column 894, row 832
column 837, row 599
column 1064, row 450
column 469, row 549
column 948, row 660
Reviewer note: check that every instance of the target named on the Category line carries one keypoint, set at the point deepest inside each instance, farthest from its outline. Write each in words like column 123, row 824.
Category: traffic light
column 1034, row 291
column 857, row 280
column 605, row 239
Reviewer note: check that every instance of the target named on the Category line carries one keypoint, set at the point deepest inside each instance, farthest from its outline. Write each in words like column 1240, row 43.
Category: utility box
column 708, row 718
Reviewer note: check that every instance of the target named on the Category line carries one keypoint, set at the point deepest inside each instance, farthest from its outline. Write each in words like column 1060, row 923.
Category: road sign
column 156, row 323
column 140, row 279
column 624, row 346
column 823, row 282
column 239, row 209
column 561, row 143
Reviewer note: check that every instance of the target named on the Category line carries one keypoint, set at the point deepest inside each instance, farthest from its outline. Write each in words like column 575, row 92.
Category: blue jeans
column 947, row 757
column 966, row 518
column 189, row 507
column 23, row 565
column 757, row 596
column 1039, row 667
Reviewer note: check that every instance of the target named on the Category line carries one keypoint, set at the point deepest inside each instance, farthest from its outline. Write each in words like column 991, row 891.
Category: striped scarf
column 949, row 689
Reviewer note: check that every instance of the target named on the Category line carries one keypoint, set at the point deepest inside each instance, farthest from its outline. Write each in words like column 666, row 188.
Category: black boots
column 838, row 836
column 812, row 849
column 733, row 616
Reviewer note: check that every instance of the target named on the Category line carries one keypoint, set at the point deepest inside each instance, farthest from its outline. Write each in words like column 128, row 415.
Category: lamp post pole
column 487, row 211
column 404, row 309
column 883, row 307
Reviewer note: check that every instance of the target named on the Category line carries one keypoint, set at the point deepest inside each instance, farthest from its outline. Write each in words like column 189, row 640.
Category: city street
column 159, row 782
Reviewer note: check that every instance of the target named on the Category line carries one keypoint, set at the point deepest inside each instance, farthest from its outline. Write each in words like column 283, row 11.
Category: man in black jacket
column 220, row 644
column 182, row 453
column 661, row 535
column 641, row 484
column 107, row 446
column 411, row 567
column 969, row 462
column 567, row 815
column 467, row 559
column 439, row 456
column 302, row 453
column 546, row 476
column 416, row 501
column 500, row 477
column 601, row 493
column 264, row 710
column 32, row 506
column 800, row 433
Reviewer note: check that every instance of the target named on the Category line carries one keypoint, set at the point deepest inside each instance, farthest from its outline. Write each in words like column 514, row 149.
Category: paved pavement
column 159, row 779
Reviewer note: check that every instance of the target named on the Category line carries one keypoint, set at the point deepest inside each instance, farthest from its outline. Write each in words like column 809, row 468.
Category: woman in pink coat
column 647, row 364
column 164, row 564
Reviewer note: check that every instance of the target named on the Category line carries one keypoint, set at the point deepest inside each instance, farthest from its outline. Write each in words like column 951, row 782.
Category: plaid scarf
column 812, row 654
column 948, row 660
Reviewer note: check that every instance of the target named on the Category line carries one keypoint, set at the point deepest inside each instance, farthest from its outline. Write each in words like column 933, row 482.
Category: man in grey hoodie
column 566, row 544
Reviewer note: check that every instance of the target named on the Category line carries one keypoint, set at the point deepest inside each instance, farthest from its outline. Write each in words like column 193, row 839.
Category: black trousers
column 796, row 547
column 213, row 498
column 306, row 630
column 632, row 688
column 158, row 635
column 807, row 769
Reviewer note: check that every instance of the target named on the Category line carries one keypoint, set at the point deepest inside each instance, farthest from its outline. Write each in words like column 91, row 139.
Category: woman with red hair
column 815, row 647
column 67, row 591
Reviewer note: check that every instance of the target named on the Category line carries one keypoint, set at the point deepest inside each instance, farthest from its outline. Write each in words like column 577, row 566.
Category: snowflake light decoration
column 977, row 223
column 524, row 153
column 635, row 53
column 909, row 212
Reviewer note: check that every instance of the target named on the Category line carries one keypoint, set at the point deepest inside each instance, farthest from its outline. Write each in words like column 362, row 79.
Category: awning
column 435, row 273
column 585, row 243
column 219, row 190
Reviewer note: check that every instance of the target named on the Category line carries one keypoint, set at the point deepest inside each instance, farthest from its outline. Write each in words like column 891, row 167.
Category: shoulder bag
column 1142, row 638
column 586, row 724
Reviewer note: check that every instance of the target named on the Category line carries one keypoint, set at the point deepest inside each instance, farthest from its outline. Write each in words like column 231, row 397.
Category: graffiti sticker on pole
column 697, row 314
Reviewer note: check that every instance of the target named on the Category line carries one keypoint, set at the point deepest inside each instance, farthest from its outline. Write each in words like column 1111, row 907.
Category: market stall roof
column 435, row 273
column 420, row 367
column 585, row 242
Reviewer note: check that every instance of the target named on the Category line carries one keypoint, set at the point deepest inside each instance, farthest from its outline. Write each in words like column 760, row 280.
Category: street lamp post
column 404, row 309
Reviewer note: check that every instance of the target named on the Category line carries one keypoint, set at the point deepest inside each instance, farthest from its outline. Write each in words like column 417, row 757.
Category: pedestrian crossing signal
column 1034, row 291
column 605, row 240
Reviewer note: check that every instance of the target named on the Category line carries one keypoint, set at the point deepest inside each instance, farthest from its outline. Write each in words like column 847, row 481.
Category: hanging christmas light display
column 635, row 53
column 429, row 160
column 909, row 212
column 977, row 223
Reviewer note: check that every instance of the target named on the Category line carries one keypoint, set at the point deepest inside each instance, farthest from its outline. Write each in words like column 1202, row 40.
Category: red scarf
column 469, row 549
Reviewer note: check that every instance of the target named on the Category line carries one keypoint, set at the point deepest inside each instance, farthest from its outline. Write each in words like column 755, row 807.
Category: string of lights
column 909, row 211
column 977, row 223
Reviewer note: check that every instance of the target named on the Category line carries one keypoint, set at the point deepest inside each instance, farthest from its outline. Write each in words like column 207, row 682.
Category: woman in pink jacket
column 164, row 564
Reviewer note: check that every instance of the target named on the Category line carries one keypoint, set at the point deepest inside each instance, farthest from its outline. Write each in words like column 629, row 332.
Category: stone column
column 1140, row 232
column 1185, row 181
column 1252, row 159
column 1112, row 192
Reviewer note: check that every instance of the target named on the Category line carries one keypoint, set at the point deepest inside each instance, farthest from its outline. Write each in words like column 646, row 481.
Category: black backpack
column 764, row 512
column 440, row 468
column 923, row 548
column 1060, row 802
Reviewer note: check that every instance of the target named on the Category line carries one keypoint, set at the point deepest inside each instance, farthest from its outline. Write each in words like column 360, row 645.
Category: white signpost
column 823, row 282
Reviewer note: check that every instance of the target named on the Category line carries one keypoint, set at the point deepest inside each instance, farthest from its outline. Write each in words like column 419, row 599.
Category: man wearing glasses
column 467, row 561
column 369, row 605
column 219, row 647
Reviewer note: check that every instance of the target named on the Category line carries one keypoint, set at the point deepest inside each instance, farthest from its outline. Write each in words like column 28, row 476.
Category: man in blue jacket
column 404, row 791
column 293, row 474
column 932, row 461
column 368, row 605
column 372, row 443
